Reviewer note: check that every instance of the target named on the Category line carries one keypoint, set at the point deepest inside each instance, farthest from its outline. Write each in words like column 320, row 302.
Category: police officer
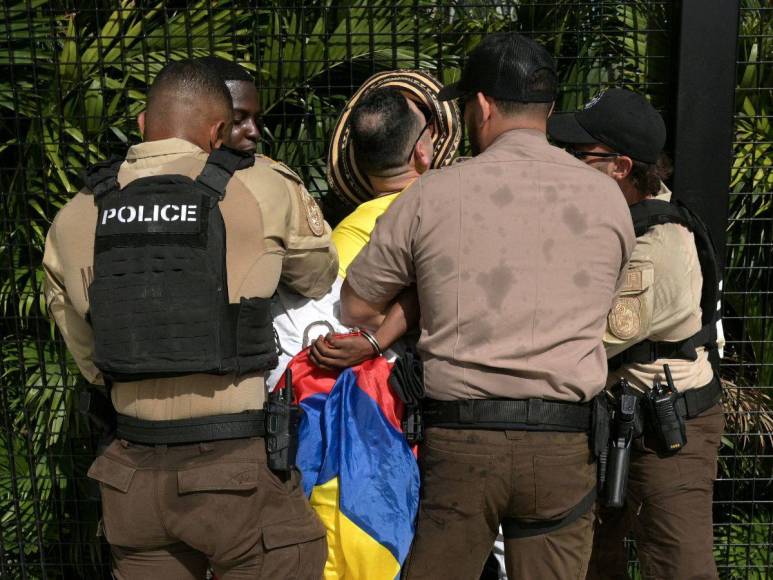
column 516, row 255
column 664, row 314
column 157, row 276
column 247, row 122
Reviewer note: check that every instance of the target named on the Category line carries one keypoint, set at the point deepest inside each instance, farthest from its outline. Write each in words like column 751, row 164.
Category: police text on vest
column 155, row 213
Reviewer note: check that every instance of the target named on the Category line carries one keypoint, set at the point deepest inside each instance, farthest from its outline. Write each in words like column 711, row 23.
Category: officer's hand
column 336, row 352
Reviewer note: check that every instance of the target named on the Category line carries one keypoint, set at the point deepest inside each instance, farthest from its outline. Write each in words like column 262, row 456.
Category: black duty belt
column 197, row 430
column 508, row 414
column 693, row 402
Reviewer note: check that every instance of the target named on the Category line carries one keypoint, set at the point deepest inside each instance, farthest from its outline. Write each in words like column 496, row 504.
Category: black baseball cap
column 501, row 67
column 622, row 120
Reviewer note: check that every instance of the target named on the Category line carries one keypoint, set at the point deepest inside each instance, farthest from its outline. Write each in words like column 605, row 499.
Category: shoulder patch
column 280, row 167
column 637, row 280
column 633, row 281
column 625, row 317
column 313, row 214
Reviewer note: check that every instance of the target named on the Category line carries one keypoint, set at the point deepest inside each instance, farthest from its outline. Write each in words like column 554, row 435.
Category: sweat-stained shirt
column 517, row 255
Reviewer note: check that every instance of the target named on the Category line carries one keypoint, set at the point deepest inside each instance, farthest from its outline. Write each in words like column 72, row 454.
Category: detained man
column 391, row 131
column 359, row 471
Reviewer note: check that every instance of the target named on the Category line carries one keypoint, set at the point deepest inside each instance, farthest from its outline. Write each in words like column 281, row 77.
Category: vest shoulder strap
column 221, row 165
column 653, row 212
column 102, row 178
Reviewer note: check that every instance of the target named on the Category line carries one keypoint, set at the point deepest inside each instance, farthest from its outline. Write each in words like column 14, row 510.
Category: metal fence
column 73, row 77
column 743, row 498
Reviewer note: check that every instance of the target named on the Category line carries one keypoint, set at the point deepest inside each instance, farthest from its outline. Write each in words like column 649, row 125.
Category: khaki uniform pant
column 169, row 512
column 667, row 511
column 472, row 479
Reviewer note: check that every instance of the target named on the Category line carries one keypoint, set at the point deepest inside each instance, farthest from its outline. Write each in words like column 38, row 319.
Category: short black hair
column 383, row 128
column 228, row 70
column 543, row 80
column 185, row 78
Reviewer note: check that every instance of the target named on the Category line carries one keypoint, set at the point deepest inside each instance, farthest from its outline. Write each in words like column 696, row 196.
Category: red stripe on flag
column 372, row 378
column 308, row 378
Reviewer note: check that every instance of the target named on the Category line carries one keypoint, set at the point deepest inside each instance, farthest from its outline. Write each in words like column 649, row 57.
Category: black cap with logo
column 502, row 66
column 622, row 120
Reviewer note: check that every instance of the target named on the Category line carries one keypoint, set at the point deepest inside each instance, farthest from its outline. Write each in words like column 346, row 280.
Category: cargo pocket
column 115, row 481
column 294, row 548
column 453, row 484
column 110, row 472
column 218, row 477
column 561, row 482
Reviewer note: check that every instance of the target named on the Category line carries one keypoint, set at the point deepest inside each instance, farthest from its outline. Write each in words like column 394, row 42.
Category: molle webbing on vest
column 103, row 176
column 650, row 213
column 159, row 300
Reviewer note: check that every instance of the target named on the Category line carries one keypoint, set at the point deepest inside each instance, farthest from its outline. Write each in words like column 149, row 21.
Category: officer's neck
column 499, row 125
column 163, row 133
column 630, row 193
column 387, row 185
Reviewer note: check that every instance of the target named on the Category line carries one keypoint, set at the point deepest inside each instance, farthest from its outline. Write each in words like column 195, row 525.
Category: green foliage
column 74, row 79
column 743, row 547
column 751, row 205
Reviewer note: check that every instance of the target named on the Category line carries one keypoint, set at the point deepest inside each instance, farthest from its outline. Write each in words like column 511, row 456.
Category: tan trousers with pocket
column 170, row 512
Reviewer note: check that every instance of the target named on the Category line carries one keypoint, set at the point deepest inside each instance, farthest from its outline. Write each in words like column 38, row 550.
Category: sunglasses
column 582, row 155
column 429, row 124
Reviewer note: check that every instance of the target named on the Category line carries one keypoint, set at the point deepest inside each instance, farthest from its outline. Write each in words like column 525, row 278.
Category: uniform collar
column 663, row 193
column 520, row 137
column 163, row 147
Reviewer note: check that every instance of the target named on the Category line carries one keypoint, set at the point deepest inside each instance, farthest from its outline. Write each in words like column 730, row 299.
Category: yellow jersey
column 351, row 235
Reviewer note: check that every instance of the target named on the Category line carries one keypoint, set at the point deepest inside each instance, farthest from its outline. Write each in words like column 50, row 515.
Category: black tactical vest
column 652, row 212
column 159, row 299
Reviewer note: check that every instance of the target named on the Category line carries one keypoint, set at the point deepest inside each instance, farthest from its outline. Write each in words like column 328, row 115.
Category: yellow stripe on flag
column 351, row 553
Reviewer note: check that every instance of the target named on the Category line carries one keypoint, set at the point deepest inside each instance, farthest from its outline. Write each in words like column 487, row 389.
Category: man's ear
column 422, row 154
column 217, row 133
column 141, row 123
column 485, row 108
column 622, row 167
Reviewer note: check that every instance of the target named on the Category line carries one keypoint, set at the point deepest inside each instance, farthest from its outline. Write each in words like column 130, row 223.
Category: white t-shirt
column 299, row 321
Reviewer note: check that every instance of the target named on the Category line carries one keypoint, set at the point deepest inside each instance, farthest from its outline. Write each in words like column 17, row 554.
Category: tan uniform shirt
column 517, row 255
column 274, row 231
column 660, row 301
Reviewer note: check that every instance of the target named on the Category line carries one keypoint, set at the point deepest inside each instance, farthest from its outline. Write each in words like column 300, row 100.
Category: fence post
column 705, row 91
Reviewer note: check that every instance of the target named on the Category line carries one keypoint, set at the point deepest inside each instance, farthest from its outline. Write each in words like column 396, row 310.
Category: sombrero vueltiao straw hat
column 342, row 172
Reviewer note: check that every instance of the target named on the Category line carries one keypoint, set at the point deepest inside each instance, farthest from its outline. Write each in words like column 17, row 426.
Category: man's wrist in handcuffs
column 374, row 343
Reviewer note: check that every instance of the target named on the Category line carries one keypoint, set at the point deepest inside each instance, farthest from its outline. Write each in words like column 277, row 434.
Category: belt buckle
column 534, row 408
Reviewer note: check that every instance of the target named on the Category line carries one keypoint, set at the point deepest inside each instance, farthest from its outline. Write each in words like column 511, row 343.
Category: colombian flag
column 358, row 469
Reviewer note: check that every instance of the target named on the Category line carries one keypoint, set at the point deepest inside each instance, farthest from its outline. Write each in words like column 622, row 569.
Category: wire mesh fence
column 743, row 498
column 75, row 75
